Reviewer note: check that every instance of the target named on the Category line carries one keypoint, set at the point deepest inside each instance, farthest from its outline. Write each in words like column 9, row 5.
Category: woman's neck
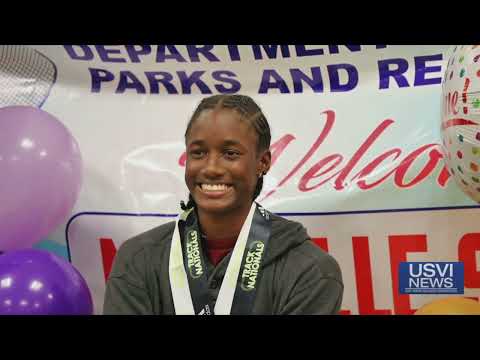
column 222, row 226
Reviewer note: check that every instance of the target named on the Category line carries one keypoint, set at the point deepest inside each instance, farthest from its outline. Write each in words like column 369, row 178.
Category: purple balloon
column 37, row 282
column 40, row 175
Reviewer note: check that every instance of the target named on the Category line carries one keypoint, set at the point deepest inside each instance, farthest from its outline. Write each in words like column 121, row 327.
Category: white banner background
column 132, row 142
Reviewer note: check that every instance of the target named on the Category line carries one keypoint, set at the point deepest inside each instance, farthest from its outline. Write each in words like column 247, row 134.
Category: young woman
column 225, row 254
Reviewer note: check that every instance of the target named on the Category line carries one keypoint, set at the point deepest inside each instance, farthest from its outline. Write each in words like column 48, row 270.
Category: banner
column 355, row 150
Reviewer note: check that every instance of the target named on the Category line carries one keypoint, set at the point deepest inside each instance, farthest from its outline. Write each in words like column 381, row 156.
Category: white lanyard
column 182, row 298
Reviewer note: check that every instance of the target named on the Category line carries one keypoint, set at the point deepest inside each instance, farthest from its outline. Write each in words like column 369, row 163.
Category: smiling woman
column 226, row 158
column 225, row 254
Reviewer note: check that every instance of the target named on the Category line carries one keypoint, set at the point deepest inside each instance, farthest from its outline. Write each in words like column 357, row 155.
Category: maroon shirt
column 217, row 249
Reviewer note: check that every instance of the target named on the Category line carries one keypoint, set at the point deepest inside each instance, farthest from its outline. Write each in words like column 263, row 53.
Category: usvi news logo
column 431, row 278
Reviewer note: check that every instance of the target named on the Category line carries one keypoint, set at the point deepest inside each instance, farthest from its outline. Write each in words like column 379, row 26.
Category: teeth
column 219, row 187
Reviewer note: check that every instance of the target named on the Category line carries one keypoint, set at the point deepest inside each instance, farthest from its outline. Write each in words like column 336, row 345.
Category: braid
column 258, row 188
column 190, row 203
column 249, row 111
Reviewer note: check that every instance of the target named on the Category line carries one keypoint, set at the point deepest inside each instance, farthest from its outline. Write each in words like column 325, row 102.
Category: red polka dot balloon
column 461, row 118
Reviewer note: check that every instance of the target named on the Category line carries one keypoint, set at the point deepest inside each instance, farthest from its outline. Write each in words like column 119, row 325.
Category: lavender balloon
column 40, row 175
column 37, row 282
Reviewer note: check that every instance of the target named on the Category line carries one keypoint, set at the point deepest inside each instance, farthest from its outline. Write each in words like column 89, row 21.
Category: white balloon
column 460, row 125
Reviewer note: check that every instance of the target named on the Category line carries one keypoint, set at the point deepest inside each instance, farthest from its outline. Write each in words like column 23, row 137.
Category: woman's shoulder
column 281, row 225
column 290, row 237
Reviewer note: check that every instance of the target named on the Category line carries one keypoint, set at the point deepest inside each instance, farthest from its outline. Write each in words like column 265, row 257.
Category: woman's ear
column 264, row 162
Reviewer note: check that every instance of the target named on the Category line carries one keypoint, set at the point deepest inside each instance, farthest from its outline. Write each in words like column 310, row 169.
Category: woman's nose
column 213, row 168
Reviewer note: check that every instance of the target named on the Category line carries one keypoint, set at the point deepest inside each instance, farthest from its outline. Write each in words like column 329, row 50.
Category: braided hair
column 250, row 112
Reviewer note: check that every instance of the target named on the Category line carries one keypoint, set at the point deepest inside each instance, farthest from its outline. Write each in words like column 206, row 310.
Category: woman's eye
column 197, row 153
column 231, row 154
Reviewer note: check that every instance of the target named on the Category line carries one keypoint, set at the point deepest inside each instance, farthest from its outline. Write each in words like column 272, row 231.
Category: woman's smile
column 214, row 191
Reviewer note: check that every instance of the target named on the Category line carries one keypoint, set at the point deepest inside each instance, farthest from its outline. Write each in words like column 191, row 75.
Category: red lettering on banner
column 399, row 246
column 443, row 176
column 313, row 172
column 277, row 148
column 434, row 157
column 468, row 245
column 339, row 182
column 367, row 170
column 363, row 278
column 329, row 163
column 325, row 131
column 183, row 159
column 321, row 242
column 109, row 251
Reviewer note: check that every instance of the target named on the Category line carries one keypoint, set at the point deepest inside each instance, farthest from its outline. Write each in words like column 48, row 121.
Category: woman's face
column 222, row 164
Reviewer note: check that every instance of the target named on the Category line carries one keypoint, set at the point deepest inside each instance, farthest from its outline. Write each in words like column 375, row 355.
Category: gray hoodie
column 298, row 277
